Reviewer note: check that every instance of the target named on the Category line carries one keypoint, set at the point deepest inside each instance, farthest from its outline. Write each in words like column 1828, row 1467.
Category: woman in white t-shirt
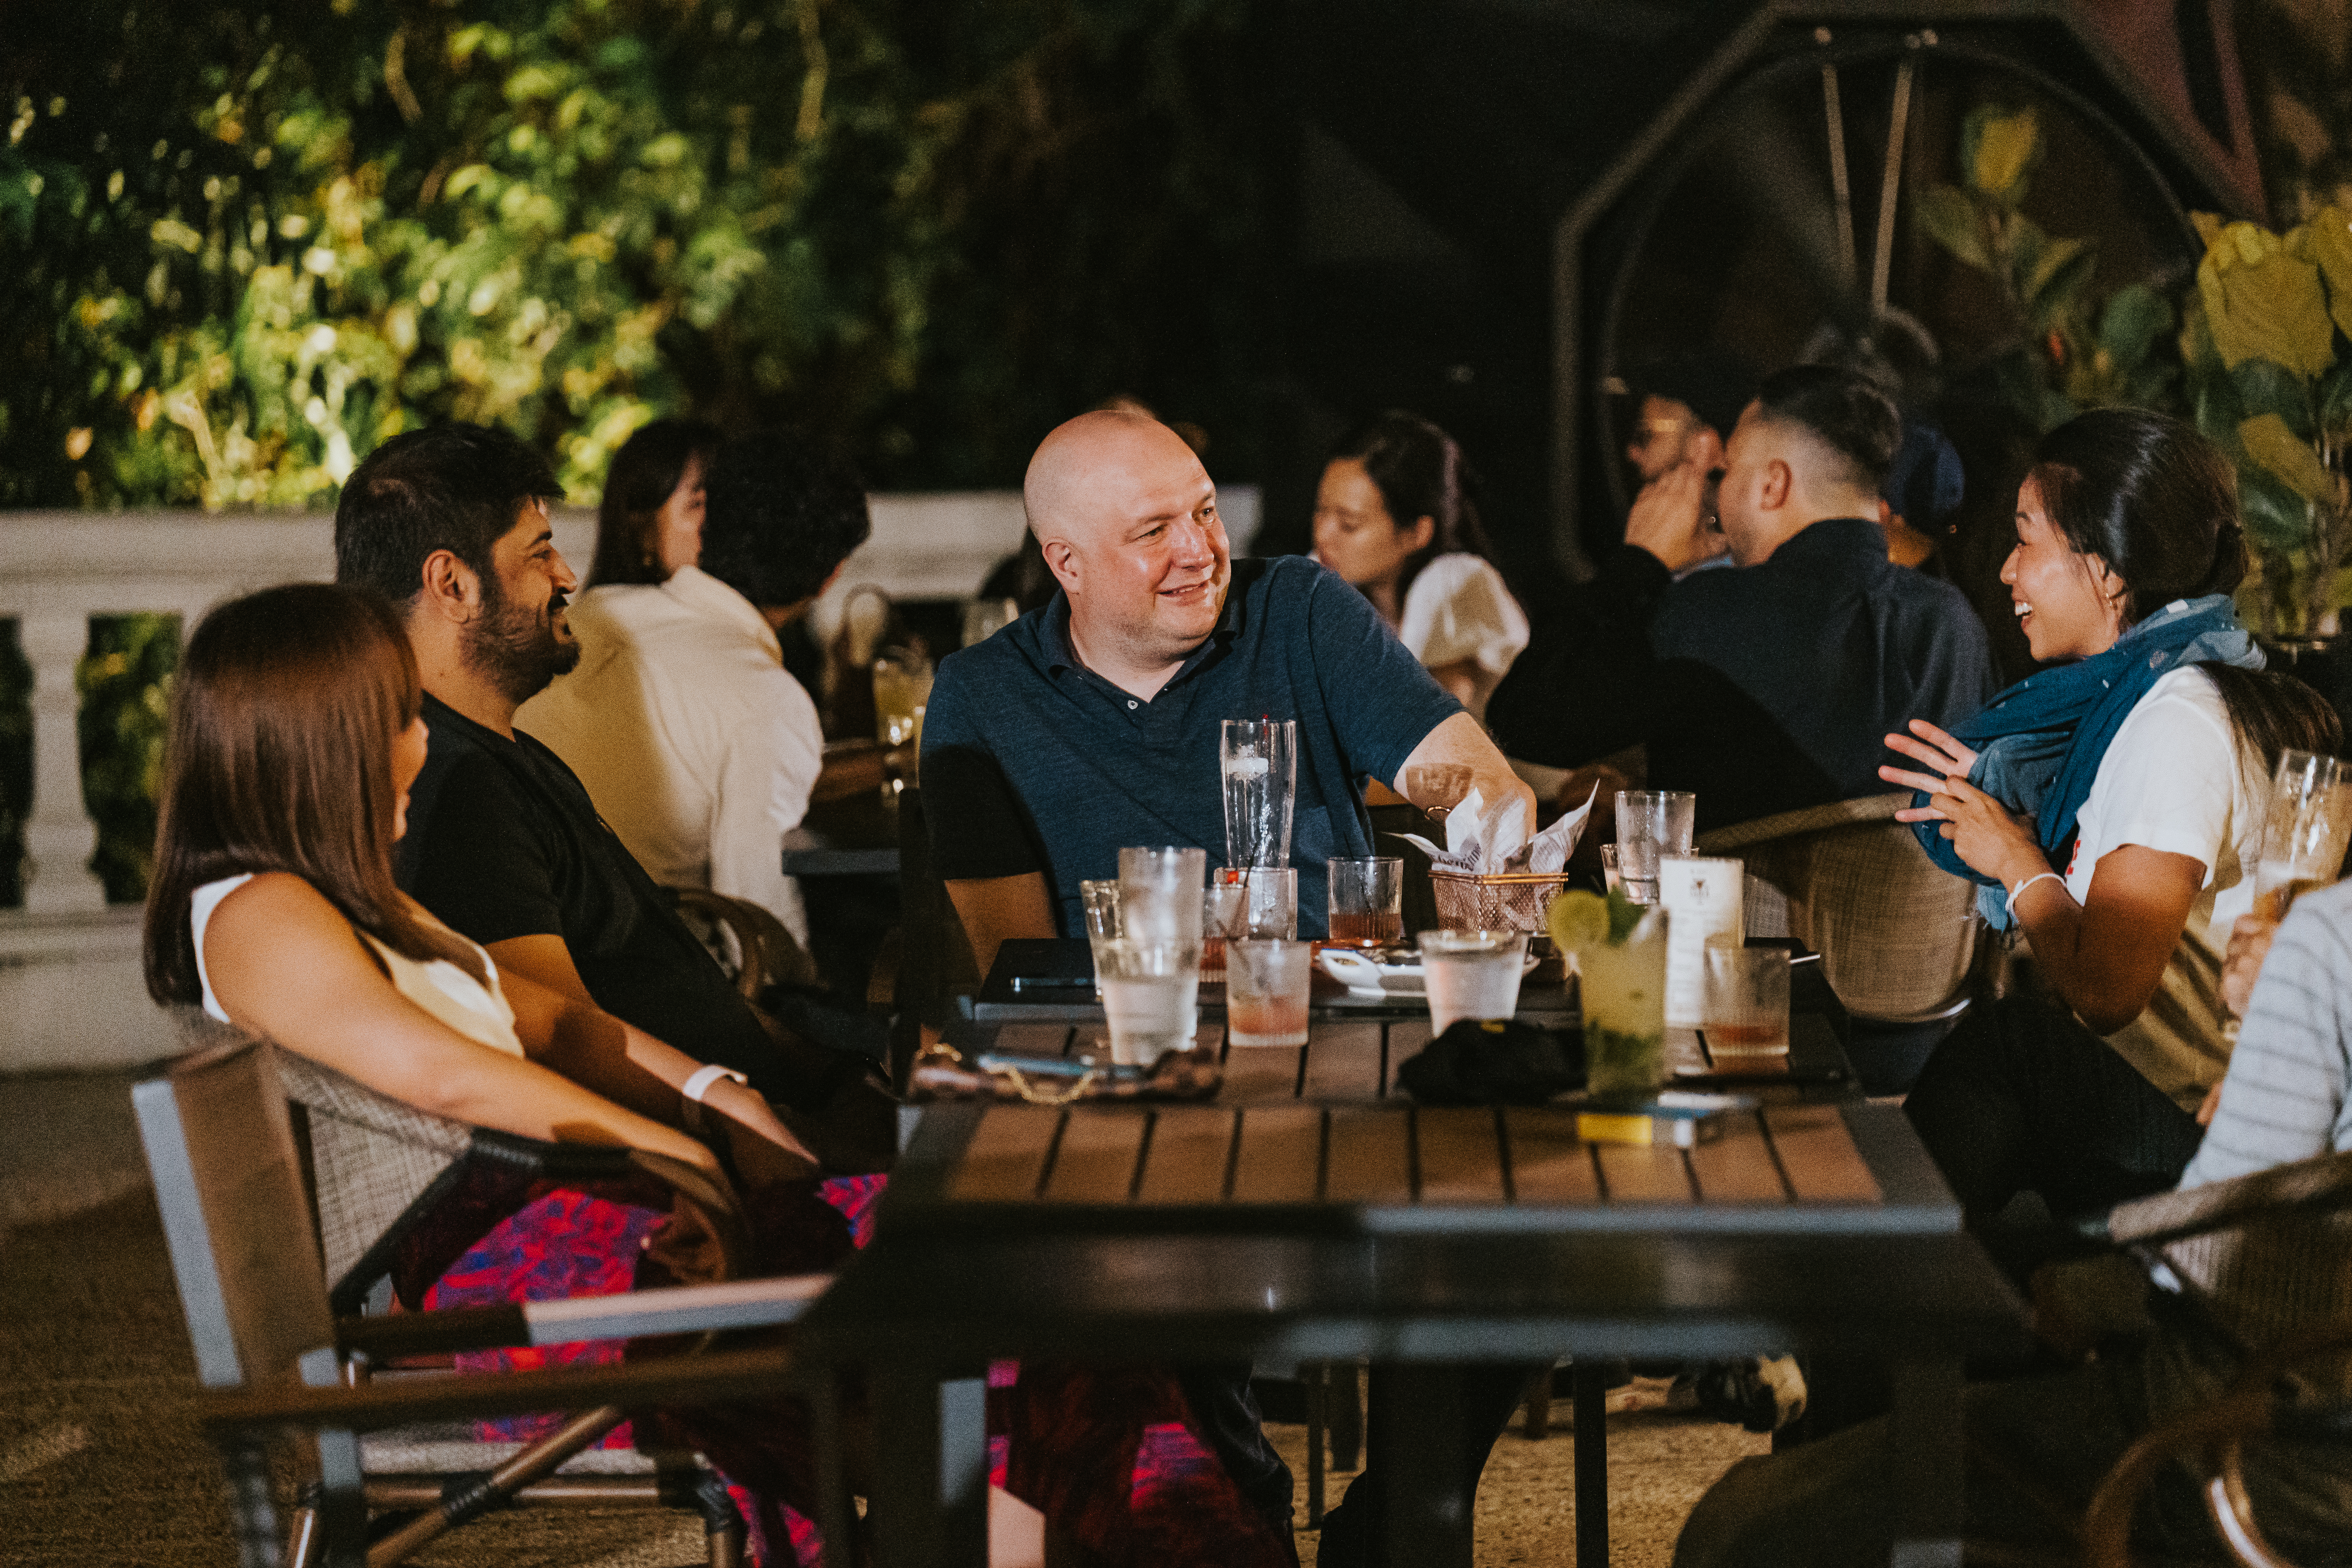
column 2112, row 807
column 1396, row 515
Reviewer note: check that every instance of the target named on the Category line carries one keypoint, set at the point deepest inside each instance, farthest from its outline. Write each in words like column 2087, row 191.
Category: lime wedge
column 1579, row 920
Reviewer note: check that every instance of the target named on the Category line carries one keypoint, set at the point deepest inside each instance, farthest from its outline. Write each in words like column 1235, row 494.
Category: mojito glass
column 1622, row 988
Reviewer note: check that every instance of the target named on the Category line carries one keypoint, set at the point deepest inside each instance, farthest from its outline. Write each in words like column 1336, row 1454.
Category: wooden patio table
column 1310, row 1213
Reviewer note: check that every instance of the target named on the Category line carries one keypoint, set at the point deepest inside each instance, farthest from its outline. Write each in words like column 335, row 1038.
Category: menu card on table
column 1706, row 906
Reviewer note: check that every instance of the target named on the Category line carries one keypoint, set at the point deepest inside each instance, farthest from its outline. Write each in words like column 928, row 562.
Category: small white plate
column 1368, row 977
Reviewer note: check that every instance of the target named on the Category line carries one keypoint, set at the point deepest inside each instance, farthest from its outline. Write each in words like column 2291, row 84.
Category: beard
column 517, row 649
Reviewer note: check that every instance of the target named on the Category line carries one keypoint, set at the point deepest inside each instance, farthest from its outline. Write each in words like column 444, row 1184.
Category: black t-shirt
column 503, row 842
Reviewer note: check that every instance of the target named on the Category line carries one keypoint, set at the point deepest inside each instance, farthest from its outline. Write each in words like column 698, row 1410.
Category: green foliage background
column 244, row 245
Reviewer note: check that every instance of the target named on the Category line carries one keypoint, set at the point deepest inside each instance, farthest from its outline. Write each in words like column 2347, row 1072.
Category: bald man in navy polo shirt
column 1093, row 724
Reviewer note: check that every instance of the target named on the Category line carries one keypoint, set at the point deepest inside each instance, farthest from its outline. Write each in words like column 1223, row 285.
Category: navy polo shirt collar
column 1053, row 638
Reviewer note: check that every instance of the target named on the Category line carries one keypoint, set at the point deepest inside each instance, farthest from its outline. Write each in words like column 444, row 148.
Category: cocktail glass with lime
column 1621, row 965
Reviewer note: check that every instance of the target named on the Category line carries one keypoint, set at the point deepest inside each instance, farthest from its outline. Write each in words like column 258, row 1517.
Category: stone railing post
column 60, row 836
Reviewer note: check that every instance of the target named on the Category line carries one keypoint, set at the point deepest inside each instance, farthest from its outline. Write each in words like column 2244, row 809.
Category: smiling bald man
column 1092, row 724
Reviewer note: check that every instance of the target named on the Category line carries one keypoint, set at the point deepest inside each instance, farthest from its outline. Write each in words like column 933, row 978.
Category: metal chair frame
column 275, row 1354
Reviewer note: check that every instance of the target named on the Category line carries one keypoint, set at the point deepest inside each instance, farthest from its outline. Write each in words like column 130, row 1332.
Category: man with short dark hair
column 503, row 844
column 1769, row 688
column 681, row 721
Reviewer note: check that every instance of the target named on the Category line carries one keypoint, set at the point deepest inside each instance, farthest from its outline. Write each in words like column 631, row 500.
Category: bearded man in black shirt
column 503, row 843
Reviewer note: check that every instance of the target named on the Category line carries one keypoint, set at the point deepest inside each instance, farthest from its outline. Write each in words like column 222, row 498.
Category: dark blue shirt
column 1034, row 763
column 1763, row 689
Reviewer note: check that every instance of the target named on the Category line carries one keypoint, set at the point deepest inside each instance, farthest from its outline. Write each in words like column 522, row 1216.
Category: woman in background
column 1396, row 515
column 650, row 521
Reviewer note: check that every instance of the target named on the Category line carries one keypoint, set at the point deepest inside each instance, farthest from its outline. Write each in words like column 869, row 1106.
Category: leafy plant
column 2073, row 350
column 248, row 247
column 2268, row 378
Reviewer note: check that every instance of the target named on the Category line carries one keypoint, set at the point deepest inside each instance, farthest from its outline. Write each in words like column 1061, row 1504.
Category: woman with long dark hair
column 1396, row 515
column 2112, row 808
column 295, row 738
column 650, row 521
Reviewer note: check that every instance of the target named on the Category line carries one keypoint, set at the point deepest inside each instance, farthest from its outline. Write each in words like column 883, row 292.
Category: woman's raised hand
column 1934, row 747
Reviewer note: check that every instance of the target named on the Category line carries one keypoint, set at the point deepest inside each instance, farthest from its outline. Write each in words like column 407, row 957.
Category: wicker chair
column 2265, row 1262
column 273, row 1308
column 1898, row 934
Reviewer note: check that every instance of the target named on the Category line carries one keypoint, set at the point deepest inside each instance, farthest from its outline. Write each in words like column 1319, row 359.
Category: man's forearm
column 1460, row 741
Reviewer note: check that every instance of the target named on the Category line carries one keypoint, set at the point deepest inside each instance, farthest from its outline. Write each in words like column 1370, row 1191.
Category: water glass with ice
column 1266, row 985
column 1652, row 823
column 1150, row 993
column 1258, row 759
column 1159, row 894
column 1471, row 974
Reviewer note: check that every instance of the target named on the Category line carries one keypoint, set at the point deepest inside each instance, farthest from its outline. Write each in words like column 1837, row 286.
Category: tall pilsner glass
column 2305, row 829
column 1259, row 761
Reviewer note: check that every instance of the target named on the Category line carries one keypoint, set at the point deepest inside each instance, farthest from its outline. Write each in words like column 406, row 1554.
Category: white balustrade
column 71, row 989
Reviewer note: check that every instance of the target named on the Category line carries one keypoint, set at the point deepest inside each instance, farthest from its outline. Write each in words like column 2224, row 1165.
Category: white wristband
column 2019, row 889
column 695, row 1087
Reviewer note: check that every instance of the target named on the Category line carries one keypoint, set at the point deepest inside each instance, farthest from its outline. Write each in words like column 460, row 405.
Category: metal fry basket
column 1497, row 901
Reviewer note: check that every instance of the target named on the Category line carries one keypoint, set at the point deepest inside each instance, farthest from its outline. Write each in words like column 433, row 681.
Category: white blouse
column 476, row 1010
column 1458, row 611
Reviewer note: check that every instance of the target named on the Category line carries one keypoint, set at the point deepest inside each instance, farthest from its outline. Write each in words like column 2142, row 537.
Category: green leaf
column 2059, row 279
column 2215, row 405
column 2334, row 395
column 2290, row 457
column 1948, row 215
column 2277, row 520
column 2135, row 316
column 2265, row 387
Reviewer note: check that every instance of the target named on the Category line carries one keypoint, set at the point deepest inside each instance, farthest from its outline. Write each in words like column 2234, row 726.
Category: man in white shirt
column 696, row 746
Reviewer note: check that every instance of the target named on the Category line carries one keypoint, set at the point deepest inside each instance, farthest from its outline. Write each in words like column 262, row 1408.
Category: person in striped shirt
column 2287, row 1096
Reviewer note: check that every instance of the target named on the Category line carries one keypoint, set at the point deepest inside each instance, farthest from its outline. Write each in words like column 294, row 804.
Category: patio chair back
column 2267, row 1256
column 229, row 1184
column 1896, row 933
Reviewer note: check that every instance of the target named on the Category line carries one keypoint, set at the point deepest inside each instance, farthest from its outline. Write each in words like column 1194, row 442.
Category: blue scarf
column 2039, row 744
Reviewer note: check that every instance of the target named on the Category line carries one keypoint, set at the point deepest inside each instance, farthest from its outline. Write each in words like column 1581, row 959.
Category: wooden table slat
column 1461, row 1158
column 1255, row 1073
column 1371, row 1158
column 1095, row 1161
column 1549, row 1164
column 1818, row 1156
column 1737, row 1168
column 1343, row 1061
column 1406, row 1037
column 1280, row 1159
column 1006, row 1154
column 1192, row 1148
column 1634, row 1174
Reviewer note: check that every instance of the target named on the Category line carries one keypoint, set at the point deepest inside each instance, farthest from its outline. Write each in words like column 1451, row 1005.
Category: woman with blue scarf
column 2111, row 809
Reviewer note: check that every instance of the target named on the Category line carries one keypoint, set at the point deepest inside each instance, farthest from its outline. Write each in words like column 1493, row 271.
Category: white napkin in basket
column 1478, row 839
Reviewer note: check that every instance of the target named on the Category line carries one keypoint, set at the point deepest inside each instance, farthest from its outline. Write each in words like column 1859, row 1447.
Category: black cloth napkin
column 1495, row 1063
